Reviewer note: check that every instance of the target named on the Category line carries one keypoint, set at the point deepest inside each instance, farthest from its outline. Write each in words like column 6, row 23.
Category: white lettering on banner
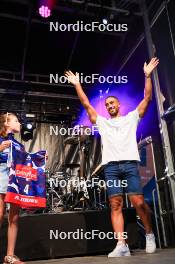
column 26, row 200
column 16, row 197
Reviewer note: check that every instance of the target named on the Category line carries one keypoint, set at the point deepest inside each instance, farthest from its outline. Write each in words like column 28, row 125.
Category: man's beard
column 113, row 114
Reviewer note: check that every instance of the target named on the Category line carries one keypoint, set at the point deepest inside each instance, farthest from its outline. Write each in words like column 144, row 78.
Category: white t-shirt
column 118, row 137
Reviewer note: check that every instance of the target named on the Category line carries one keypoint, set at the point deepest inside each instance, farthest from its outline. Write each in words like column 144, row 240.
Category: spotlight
column 45, row 7
column 44, row 11
column 29, row 126
column 27, row 130
column 105, row 21
column 107, row 91
column 101, row 93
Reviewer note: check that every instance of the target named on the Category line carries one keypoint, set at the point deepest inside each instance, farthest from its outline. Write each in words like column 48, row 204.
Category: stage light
column 107, row 91
column 101, row 93
column 44, row 11
column 29, row 126
column 27, row 130
column 30, row 115
column 105, row 21
column 45, row 7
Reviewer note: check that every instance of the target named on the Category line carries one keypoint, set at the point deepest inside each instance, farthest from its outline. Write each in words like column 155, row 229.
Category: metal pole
column 156, row 216
column 73, row 49
column 159, row 200
column 170, row 27
column 169, row 167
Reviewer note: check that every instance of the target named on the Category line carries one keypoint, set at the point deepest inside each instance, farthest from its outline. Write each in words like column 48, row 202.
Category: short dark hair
column 113, row 96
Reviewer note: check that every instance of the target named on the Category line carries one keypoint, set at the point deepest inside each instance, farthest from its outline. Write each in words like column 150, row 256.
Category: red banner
column 25, row 201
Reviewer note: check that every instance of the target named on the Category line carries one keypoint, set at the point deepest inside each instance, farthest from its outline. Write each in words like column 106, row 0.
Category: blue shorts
column 4, row 178
column 122, row 177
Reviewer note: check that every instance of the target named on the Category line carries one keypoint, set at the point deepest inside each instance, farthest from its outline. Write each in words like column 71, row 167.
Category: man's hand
column 72, row 78
column 148, row 68
column 5, row 144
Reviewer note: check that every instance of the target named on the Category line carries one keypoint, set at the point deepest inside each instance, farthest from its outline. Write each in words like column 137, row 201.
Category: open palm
column 71, row 77
column 148, row 68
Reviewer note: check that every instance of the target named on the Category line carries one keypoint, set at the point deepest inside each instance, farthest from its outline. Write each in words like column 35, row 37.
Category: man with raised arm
column 120, row 157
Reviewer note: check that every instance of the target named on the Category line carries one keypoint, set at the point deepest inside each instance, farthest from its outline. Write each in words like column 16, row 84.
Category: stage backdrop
column 50, row 137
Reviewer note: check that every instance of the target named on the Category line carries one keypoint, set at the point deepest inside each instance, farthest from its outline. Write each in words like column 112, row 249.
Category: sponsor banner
column 27, row 178
column 25, row 201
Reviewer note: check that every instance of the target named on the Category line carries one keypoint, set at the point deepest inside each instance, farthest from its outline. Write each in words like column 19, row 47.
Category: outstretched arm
column 148, row 68
column 74, row 79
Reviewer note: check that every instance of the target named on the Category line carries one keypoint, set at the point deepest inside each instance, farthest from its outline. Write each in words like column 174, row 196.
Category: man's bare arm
column 148, row 68
column 74, row 79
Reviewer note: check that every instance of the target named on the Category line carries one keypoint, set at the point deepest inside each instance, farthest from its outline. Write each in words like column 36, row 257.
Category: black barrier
column 34, row 234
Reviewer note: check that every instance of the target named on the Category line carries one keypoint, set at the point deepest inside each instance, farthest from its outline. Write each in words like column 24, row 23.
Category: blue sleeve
column 1, row 139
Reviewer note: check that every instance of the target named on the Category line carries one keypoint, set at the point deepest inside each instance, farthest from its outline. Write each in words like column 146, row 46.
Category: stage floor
column 163, row 256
